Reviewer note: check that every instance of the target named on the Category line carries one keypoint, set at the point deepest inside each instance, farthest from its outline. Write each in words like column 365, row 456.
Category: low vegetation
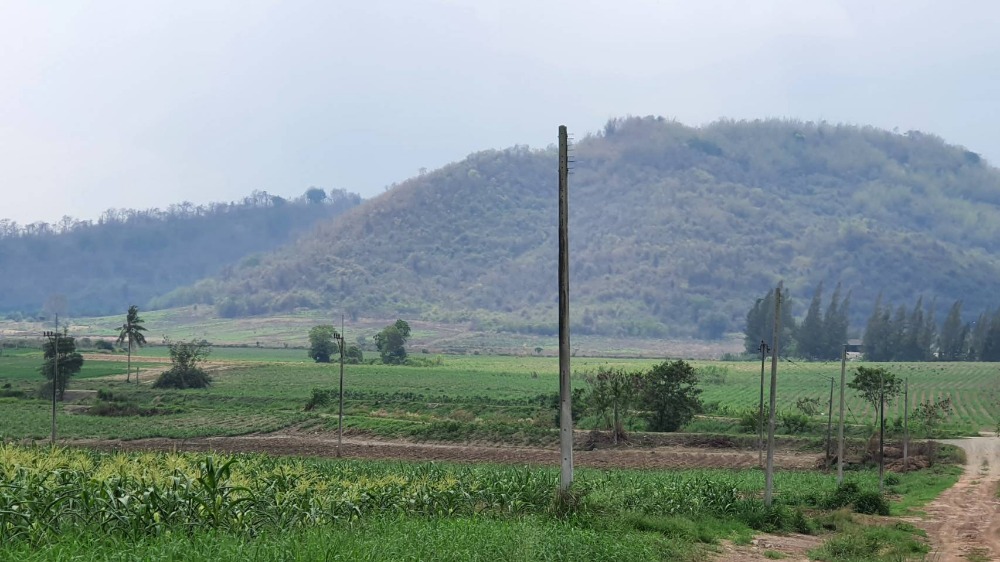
column 59, row 496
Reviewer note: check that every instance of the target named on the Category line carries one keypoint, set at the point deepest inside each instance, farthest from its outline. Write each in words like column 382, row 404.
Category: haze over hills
column 128, row 257
column 675, row 230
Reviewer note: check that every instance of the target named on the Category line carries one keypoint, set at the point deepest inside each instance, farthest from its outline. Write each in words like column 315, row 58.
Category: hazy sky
column 144, row 104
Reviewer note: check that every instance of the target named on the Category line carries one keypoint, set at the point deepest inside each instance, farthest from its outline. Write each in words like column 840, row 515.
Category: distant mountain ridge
column 675, row 231
column 128, row 256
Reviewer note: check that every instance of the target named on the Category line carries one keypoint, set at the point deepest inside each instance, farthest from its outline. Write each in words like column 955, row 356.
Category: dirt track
column 325, row 444
column 964, row 521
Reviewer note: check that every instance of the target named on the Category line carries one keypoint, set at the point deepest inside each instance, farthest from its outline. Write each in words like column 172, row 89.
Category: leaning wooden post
column 769, row 472
column 565, row 385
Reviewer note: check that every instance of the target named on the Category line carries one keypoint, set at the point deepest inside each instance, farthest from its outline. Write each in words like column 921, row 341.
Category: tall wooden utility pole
column 565, row 385
column 769, row 471
column 840, row 430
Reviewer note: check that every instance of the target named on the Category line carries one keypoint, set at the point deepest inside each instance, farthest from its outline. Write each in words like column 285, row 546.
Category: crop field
column 261, row 390
column 84, row 505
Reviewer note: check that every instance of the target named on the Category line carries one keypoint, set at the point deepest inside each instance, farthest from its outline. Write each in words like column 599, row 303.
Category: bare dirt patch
column 964, row 521
column 292, row 443
column 794, row 547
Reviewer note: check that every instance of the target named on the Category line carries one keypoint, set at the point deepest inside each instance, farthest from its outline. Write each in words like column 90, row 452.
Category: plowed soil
column 294, row 443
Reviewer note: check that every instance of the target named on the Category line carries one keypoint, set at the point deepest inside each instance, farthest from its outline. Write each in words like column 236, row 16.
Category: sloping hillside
column 127, row 257
column 674, row 230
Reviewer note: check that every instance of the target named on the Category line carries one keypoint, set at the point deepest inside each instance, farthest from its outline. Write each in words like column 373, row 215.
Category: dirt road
column 964, row 521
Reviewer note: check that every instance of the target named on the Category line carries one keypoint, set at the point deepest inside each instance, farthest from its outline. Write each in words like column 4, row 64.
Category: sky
column 130, row 104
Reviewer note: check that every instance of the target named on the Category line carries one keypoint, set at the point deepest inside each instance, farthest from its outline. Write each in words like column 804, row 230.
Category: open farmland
column 488, row 414
column 448, row 397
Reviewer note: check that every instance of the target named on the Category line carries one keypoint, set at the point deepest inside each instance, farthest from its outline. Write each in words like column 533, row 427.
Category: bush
column 750, row 420
column 183, row 379
column 794, row 422
column 185, row 372
column 319, row 398
column 104, row 345
column 842, row 496
column 871, row 503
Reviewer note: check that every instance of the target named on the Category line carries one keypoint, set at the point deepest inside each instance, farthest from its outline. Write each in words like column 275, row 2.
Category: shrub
column 794, row 422
column 319, row 398
column 842, row 496
column 185, row 372
column 104, row 345
column 871, row 503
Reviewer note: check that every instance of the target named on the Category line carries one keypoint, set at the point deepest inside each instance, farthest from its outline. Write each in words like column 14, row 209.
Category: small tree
column 391, row 343
column 353, row 355
column 613, row 393
column 872, row 382
column 185, row 372
column 132, row 333
column 670, row 395
column 70, row 362
column 929, row 415
column 321, row 344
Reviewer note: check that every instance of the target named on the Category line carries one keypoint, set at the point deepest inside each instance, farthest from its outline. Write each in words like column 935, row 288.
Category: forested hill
column 127, row 256
column 674, row 230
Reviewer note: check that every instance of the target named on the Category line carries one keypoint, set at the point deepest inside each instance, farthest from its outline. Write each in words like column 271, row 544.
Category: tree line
column 892, row 333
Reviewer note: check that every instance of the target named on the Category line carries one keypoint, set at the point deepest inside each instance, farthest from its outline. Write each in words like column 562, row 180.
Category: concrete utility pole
column 54, row 338
column 840, row 430
column 881, row 437
column 565, row 385
column 340, row 413
column 769, row 471
column 906, row 425
column 829, row 428
column 764, row 348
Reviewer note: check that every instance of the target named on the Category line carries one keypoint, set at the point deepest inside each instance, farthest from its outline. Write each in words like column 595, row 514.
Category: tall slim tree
column 132, row 333
column 952, row 346
column 835, row 324
column 811, row 332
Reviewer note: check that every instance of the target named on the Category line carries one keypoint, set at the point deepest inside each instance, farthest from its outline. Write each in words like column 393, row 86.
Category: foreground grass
column 397, row 538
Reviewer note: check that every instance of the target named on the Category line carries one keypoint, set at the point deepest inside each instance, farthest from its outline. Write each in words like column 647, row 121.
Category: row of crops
column 44, row 492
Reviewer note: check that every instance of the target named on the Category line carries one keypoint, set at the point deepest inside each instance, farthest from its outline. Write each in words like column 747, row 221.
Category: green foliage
column 613, row 395
column 930, row 414
column 319, row 399
column 670, row 395
column 185, row 372
column 353, row 355
column 795, row 422
column 63, row 363
column 131, row 333
column 321, row 343
column 874, row 384
column 151, row 257
column 391, row 343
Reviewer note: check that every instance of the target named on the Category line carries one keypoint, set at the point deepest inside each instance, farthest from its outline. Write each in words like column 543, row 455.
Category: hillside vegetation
column 128, row 257
column 675, row 230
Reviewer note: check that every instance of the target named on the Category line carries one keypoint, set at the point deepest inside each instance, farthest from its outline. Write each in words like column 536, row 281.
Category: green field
column 259, row 390
column 67, row 503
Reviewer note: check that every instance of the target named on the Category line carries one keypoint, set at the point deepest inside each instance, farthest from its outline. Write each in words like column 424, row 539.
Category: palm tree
column 132, row 330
